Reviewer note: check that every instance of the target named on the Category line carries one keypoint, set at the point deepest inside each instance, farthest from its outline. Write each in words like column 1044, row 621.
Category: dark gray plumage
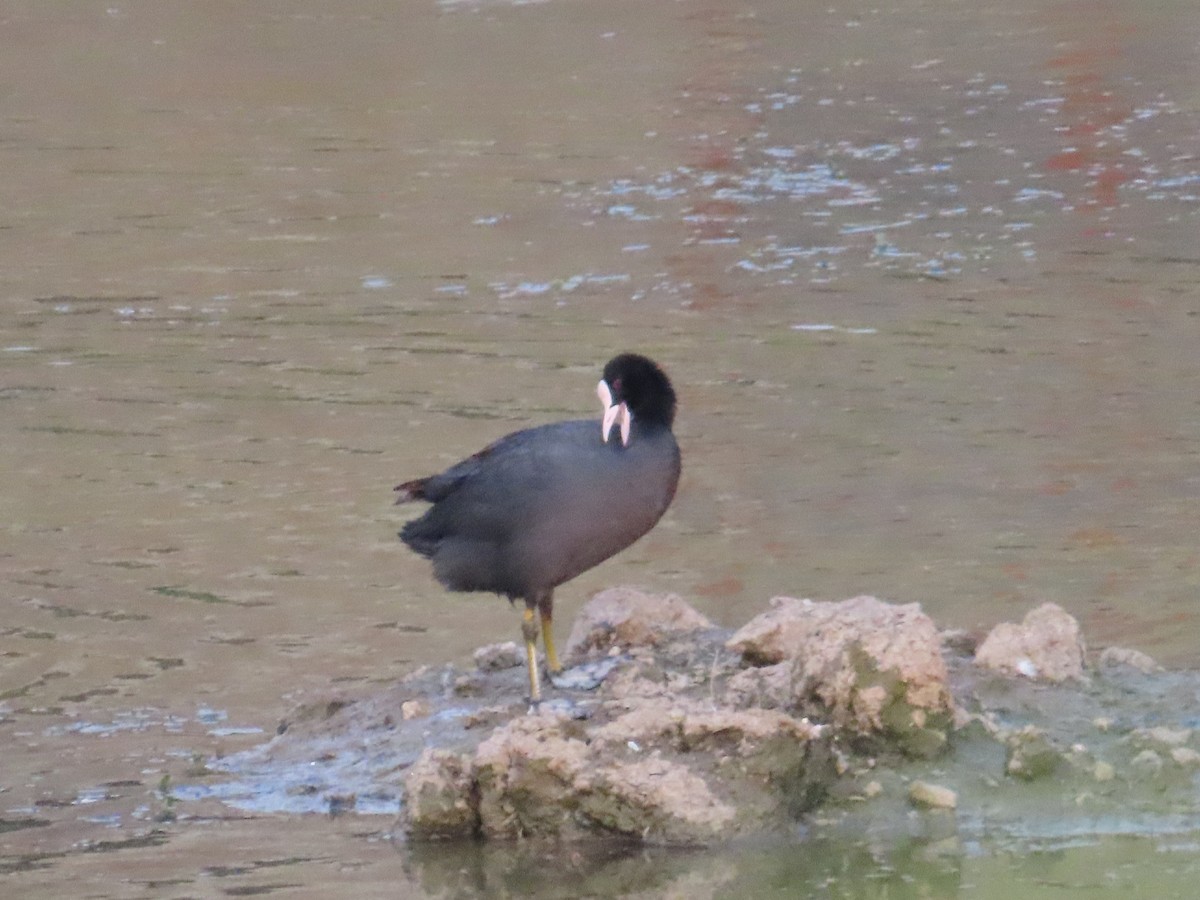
column 540, row 506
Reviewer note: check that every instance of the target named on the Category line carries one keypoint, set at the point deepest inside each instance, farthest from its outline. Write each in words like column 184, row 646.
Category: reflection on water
column 926, row 277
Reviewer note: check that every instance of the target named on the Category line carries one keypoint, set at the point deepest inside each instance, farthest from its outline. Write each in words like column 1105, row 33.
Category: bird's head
column 634, row 388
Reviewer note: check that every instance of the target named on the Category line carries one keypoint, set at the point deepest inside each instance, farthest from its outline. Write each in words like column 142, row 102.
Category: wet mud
column 1109, row 748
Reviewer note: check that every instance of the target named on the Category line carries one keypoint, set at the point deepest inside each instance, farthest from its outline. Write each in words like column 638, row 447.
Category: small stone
column 1124, row 657
column 1031, row 755
column 872, row 789
column 468, row 685
column 1103, row 771
column 1185, row 756
column 413, row 709
column 932, row 796
column 1147, row 763
column 841, row 762
column 1167, row 737
column 495, row 657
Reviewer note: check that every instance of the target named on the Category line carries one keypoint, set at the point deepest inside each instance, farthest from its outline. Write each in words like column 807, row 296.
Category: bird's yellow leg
column 548, row 639
column 529, row 630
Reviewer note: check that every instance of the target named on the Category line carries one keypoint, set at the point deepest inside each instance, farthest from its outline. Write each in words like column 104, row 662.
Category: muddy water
column 927, row 278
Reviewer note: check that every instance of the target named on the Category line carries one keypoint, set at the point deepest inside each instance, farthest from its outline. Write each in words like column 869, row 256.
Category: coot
column 540, row 506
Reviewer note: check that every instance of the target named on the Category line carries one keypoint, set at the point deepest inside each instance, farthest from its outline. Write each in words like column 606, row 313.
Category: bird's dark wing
column 479, row 503
column 435, row 488
column 540, row 506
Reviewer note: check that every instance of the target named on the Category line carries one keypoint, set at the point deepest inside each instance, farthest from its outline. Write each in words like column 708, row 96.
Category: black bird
column 540, row 506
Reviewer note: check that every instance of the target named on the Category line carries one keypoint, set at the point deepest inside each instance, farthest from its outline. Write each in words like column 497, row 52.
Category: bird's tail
column 410, row 490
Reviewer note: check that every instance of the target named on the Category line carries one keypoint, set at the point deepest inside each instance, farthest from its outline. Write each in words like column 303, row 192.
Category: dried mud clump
column 1046, row 646
column 664, row 772
column 656, row 757
column 873, row 669
column 440, row 785
column 624, row 617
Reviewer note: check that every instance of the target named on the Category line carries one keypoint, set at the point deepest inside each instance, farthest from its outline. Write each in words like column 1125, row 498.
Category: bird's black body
column 540, row 506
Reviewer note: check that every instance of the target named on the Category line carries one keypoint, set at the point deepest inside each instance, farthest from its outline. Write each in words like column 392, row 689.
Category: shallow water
column 927, row 278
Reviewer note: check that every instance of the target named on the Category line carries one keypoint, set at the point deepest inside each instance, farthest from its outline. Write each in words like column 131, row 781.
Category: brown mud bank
column 858, row 712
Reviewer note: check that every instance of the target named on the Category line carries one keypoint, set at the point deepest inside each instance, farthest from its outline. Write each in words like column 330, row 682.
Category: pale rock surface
column 873, row 668
column 1046, row 646
column 625, row 617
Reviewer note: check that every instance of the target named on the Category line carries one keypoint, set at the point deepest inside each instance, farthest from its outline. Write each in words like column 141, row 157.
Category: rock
column 873, row 668
column 657, row 801
column 932, row 796
column 641, row 679
column 438, row 802
column 765, row 764
column 669, row 771
column 1046, row 646
column 1117, row 657
column 648, row 720
column 495, row 657
column 769, row 687
column 626, row 617
column 1103, row 771
column 1031, row 755
column 777, row 634
column 524, row 775
column 469, row 684
column 691, row 726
